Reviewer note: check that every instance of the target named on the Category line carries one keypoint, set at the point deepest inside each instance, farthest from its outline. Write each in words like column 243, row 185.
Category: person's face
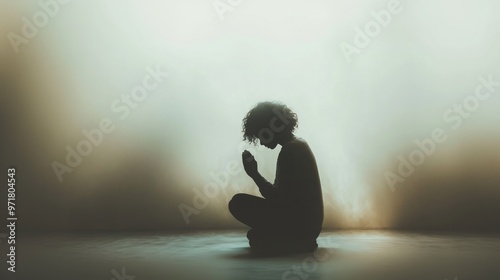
column 268, row 142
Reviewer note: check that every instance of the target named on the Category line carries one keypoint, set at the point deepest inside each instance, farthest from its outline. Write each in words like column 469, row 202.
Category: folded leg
column 273, row 229
column 253, row 211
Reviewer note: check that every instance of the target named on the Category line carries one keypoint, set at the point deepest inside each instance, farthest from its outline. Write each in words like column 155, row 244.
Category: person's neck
column 287, row 138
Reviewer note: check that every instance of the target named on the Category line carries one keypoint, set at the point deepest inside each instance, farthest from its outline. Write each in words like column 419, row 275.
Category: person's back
column 299, row 187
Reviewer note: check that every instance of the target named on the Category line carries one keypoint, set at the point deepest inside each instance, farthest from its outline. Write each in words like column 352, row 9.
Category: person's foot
column 263, row 243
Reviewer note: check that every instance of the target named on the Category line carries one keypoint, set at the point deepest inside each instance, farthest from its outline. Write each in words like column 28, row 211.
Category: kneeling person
column 289, row 218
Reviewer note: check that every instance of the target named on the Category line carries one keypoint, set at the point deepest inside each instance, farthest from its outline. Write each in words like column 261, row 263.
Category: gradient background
column 358, row 117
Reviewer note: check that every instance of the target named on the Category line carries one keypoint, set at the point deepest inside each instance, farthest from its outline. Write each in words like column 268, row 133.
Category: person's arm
column 267, row 189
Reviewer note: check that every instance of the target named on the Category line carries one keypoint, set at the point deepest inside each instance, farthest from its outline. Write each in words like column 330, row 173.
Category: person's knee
column 235, row 202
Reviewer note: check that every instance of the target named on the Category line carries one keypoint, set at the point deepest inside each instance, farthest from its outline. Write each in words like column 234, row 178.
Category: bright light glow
column 356, row 117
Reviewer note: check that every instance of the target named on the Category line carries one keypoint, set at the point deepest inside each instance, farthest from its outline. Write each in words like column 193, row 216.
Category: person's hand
column 249, row 163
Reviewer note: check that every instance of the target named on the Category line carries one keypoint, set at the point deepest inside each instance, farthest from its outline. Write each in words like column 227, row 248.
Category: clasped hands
column 249, row 164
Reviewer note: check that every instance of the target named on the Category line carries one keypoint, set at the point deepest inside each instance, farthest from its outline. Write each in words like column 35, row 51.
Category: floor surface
column 224, row 255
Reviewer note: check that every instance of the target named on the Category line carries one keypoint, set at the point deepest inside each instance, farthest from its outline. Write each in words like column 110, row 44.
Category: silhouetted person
column 289, row 218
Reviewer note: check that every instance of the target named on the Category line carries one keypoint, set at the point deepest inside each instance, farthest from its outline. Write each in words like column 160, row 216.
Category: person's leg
column 273, row 229
column 251, row 210
column 280, row 241
column 258, row 213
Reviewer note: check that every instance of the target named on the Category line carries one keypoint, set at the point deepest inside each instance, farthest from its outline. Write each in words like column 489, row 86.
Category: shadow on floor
column 247, row 253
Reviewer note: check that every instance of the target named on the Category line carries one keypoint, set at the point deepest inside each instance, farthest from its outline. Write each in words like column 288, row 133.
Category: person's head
column 271, row 123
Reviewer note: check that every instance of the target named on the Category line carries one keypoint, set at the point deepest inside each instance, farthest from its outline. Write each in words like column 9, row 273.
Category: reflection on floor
column 224, row 255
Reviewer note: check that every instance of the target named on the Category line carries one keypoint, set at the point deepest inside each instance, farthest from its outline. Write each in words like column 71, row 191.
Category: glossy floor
column 224, row 255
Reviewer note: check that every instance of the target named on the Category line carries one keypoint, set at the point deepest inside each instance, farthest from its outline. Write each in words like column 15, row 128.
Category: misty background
column 358, row 117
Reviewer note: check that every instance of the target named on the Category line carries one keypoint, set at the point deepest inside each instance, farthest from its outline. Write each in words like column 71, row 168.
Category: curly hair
column 261, row 115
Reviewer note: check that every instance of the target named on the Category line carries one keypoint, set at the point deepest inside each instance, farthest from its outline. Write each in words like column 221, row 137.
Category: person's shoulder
column 299, row 141
column 297, row 149
column 297, row 144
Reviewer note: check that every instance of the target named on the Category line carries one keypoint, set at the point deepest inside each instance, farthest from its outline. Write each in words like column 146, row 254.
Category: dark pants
column 271, row 225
